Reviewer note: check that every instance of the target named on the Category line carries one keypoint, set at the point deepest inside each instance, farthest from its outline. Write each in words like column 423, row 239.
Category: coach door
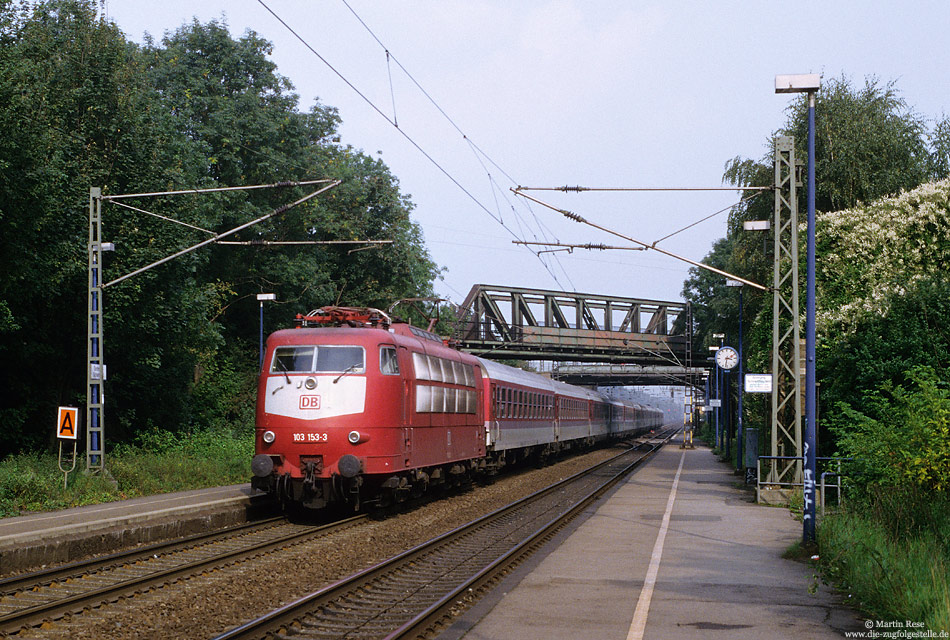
column 405, row 362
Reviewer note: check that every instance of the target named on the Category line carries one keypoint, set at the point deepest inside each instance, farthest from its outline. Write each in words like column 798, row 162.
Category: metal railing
column 837, row 474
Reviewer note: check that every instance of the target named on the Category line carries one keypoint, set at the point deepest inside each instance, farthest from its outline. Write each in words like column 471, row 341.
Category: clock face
column 727, row 358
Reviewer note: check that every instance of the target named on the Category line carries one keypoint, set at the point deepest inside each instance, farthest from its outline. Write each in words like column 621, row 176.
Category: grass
column 891, row 577
column 157, row 462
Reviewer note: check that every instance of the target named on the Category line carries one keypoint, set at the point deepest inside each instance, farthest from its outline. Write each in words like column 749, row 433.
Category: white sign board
column 758, row 383
column 715, row 403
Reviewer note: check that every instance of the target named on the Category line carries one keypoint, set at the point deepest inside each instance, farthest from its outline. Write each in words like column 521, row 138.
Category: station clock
column 727, row 358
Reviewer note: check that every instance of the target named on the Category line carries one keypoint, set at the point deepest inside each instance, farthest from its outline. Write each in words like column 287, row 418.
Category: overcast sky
column 571, row 92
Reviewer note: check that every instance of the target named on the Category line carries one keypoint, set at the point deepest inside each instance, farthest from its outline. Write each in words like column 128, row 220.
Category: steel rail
column 484, row 578
column 28, row 616
column 288, row 617
column 44, row 577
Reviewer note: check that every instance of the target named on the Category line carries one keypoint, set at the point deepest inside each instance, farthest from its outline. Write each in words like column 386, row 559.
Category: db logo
column 309, row 402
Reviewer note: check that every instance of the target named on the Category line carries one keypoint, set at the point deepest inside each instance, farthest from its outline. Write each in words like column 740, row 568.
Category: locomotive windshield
column 324, row 359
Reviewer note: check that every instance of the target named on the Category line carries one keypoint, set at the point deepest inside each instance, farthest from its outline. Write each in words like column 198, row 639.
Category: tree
column 939, row 141
column 868, row 142
column 80, row 106
column 879, row 348
column 73, row 112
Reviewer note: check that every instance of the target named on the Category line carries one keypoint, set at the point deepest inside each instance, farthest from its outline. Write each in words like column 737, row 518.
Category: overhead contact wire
column 712, row 215
column 379, row 111
column 477, row 151
column 374, row 107
column 577, row 218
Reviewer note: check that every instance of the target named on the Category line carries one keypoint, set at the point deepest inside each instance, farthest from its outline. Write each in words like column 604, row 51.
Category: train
column 355, row 408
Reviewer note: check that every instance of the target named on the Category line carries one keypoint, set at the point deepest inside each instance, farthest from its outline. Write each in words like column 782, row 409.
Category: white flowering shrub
column 867, row 254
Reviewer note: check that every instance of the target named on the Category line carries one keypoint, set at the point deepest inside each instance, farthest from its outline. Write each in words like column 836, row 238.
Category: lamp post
column 261, row 297
column 720, row 425
column 808, row 83
column 707, row 396
column 741, row 388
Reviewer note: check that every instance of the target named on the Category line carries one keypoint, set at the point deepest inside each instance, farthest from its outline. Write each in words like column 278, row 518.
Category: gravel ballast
column 207, row 605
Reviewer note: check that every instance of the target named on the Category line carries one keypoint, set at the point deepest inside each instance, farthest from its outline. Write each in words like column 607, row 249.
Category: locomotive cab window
column 325, row 359
column 332, row 359
column 293, row 360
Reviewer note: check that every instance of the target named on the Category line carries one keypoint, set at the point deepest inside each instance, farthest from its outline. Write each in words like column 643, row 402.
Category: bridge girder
column 628, row 375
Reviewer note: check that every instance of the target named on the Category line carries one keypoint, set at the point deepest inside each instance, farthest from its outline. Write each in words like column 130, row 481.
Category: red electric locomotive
column 354, row 407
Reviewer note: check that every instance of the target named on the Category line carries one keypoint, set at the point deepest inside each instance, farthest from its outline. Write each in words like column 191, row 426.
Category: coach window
column 388, row 364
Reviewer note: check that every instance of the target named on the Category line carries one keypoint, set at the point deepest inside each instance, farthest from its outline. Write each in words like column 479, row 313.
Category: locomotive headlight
column 353, row 437
column 310, row 383
column 268, row 437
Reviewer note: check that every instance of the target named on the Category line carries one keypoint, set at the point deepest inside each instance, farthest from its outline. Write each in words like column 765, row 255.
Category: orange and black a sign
column 67, row 423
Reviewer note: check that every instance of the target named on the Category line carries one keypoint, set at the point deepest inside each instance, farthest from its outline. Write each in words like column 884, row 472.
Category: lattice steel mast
column 786, row 322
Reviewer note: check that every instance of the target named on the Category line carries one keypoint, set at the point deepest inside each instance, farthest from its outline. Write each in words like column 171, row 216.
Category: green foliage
column 906, row 511
column 868, row 142
column 939, row 140
column 890, row 578
column 157, row 462
column 225, row 390
column 901, row 435
column 878, row 348
column 33, row 482
column 81, row 106
column 60, row 131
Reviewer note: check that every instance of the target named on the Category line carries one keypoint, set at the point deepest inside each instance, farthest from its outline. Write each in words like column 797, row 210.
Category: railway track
column 30, row 600
column 415, row 592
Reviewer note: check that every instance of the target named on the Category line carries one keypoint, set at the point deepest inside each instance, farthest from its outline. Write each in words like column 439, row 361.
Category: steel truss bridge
column 643, row 341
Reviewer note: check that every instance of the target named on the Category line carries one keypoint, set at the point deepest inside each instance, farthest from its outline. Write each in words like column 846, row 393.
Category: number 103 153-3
column 310, row 437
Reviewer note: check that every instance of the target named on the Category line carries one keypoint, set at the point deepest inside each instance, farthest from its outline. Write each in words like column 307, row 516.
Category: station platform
column 57, row 537
column 676, row 552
